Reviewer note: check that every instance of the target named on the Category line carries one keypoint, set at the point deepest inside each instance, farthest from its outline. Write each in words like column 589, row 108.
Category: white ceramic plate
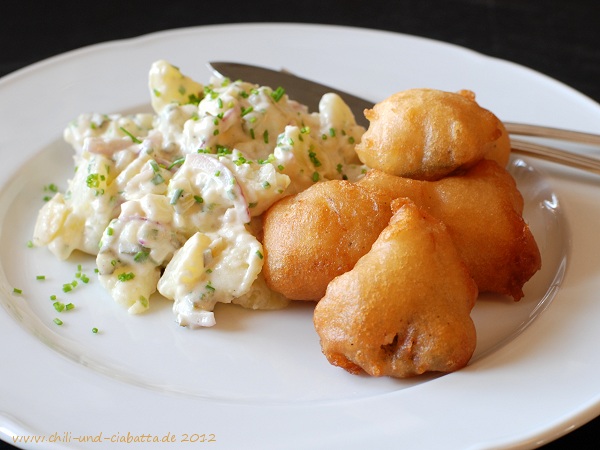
column 258, row 379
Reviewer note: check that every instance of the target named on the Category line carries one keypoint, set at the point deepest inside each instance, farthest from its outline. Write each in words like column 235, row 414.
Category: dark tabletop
column 560, row 38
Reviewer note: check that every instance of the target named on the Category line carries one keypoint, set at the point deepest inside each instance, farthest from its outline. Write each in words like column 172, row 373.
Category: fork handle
column 523, row 129
column 552, row 154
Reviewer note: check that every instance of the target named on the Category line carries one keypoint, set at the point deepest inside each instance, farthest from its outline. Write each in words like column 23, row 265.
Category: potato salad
column 171, row 201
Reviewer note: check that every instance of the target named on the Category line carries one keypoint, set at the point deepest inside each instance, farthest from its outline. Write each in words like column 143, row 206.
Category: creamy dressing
column 171, row 201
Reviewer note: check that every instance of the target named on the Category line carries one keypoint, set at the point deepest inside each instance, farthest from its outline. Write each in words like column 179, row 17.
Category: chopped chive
column 278, row 93
column 17, row 291
column 157, row 179
column 126, row 276
column 53, row 297
column 177, row 162
column 29, row 244
column 69, row 306
column 259, row 254
column 194, row 99
column 176, row 194
column 266, row 136
column 141, row 256
column 40, row 277
column 92, row 180
column 313, row 158
column 154, row 165
column 198, row 199
column 133, row 138
column 58, row 306
column 223, row 150
column 95, row 330
column 57, row 321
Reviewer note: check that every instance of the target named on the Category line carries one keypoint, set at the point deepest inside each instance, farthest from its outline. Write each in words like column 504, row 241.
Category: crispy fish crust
column 482, row 210
column 427, row 134
column 404, row 309
column 311, row 237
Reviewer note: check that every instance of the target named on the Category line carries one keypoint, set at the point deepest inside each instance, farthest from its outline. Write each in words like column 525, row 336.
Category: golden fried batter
column 311, row 237
column 404, row 309
column 482, row 210
column 427, row 134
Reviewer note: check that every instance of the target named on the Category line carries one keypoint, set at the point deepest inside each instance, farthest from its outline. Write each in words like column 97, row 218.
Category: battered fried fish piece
column 427, row 134
column 482, row 210
column 311, row 237
column 404, row 309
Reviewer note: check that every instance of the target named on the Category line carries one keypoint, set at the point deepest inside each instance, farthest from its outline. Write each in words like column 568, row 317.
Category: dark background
column 560, row 38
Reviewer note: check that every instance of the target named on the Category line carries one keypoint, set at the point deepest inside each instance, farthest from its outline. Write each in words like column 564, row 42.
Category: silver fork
column 553, row 154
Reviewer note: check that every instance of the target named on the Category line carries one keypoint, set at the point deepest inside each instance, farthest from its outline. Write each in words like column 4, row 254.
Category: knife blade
column 305, row 91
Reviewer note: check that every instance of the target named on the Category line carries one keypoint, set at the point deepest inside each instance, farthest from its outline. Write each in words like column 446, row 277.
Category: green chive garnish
column 177, row 162
column 176, row 194
column 133, row 138
column 278, row 93
column 126, row 276
column 141, row 256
